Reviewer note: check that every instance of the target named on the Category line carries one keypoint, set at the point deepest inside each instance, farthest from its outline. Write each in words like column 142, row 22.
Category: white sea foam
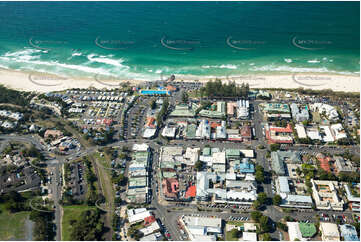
column 77, row 54
column 270, row 68
column 106, row 60
column 288, row 60
column 32, row 65
column 225, row 66
column 314, row 61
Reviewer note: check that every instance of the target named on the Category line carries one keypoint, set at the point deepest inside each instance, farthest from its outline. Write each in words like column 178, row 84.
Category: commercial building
column 299, row 115
column 137, row 215
column 217, row 110
column 202, row 228
column 237, row 193
column 138, row 186
column 276, row 111
column 301, row 132
column 322, row 108
column 349, row 232
column 204, row 130
column 325, row 195
column 343, row 165
column 279, row 135
column 338, row 131
column 279, row 158
column 289, row 199
column 242, row 109
column 169, row 132
column 329, row 232
column 170, row 188
column 327, row 135
column 353, row 200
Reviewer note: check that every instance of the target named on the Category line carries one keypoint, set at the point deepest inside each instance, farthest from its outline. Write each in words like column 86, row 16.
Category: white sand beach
column 41, row 82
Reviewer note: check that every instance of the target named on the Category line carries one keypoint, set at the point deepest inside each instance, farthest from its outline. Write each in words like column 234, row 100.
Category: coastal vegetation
column 215, row 89
column 14, row 97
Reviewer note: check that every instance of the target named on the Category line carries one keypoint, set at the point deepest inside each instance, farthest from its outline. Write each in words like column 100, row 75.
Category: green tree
column 198, row 165
column 264, row 224
column 275, row 147
column 276, row 200
column 256, row 215
column 266, row 237
column 262, row 198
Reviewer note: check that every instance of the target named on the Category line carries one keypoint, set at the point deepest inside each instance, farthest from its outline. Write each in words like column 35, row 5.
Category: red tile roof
column 288, row 129
column 170, row 187
column 149, row 220
column 191, row 192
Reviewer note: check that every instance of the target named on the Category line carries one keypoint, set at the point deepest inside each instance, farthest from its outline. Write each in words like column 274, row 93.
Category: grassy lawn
column 70, row 213
column 12, row 225
column 236, row 223
column 104, row 161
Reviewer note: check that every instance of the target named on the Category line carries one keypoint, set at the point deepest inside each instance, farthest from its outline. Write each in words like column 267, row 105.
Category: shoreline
column 44, row 82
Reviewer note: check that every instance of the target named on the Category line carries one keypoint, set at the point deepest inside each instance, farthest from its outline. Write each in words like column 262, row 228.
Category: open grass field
column 70, row 213
column 12, row 225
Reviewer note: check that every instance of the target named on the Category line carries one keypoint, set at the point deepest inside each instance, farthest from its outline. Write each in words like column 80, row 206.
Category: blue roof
column 349, row 233
column 153, row 92
column 245, row 167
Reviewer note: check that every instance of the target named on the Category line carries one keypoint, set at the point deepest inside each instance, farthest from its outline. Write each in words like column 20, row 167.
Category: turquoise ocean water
column 144, row 40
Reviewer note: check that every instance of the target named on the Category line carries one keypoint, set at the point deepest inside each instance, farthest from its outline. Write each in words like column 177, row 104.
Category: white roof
column 249, row 236
column 283, row 184
column 168, row 132
column 152, row 237
column 219, row 158
column 313, row 134
column 150, row 229
column 139, row 216
column 192, row 154
column 249, row 227
column 294, row 231
column 203, row 221
column 248, row 153
column 140, row 147
column 328, row 135
column 338, row 131
column 149, row 133
column 299, row 198
column 329, row 229
column 301, row 132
